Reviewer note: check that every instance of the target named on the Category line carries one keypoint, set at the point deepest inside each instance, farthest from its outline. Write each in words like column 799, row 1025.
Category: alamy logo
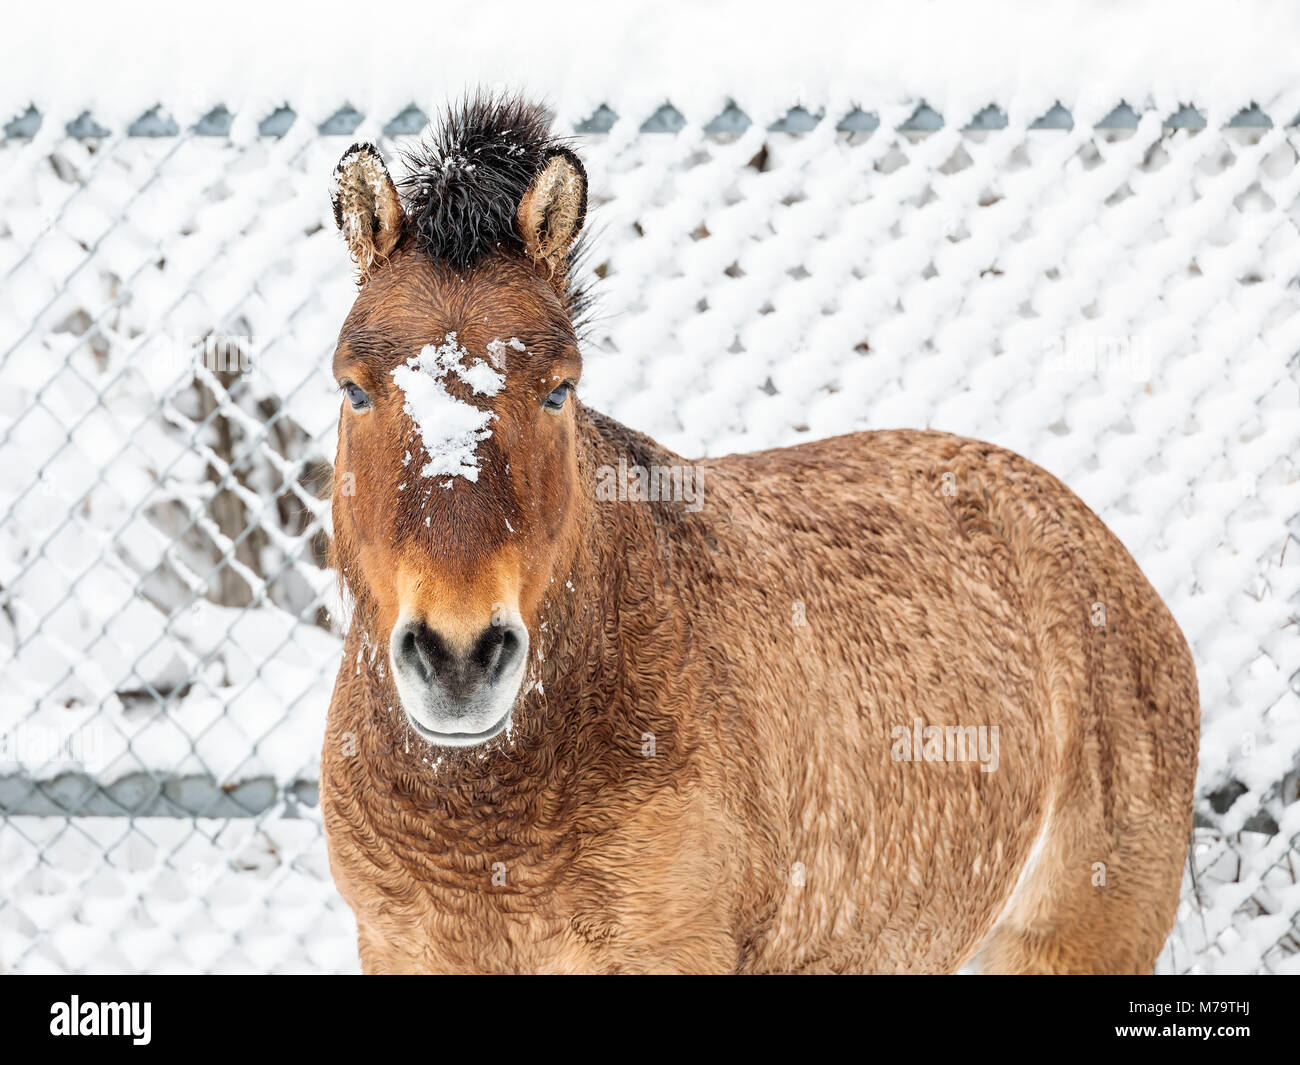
column 102, row 1018
column 651, row 484
column 1103, row 355
column 946, row 743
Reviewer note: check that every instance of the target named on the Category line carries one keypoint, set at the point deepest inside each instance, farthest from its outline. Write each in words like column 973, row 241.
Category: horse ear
column 367, row 209
column 553, row 209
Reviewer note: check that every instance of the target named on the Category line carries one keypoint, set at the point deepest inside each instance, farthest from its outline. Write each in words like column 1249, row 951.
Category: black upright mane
column 466, row 177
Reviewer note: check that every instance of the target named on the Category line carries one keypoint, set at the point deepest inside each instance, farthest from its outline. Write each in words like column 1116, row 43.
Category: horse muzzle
column 458, row 693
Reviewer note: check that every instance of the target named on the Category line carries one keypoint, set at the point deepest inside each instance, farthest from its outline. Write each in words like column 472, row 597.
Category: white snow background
column 1118, row 305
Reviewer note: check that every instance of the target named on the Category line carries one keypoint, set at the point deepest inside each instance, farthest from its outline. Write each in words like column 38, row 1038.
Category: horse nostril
column 425, row 651
column 409, row 653
column 496, row 651
column 511, row 646
column 487, row 649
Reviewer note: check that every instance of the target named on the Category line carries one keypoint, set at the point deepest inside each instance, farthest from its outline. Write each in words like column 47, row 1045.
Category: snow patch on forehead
column 450, row 428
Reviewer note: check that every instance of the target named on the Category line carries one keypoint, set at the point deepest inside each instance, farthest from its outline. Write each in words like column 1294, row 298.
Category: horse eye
column 358, row 398
column 555, row 401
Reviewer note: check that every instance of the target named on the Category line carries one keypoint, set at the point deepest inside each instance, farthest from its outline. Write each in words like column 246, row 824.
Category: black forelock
column 467, row 175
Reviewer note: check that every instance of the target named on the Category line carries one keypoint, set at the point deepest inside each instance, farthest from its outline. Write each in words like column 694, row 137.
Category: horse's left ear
column 367, row 209
column 553, row 209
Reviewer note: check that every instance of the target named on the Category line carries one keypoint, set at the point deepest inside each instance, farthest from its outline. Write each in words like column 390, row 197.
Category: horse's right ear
column 553, row 209
column 367, row 209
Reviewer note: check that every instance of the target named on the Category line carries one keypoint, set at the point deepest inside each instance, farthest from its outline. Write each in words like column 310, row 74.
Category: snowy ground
column 1119, row 305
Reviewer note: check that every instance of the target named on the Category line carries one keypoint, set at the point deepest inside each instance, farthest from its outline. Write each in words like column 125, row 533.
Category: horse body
column 771, row 829
column 891, row 701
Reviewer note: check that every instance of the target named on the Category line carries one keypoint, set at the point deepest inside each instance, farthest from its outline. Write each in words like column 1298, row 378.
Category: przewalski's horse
column 890, row 701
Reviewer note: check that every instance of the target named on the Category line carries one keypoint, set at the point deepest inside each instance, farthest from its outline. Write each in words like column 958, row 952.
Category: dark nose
column 427, row 654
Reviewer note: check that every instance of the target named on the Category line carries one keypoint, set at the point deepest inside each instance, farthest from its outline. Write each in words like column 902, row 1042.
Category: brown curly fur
column 768, row 829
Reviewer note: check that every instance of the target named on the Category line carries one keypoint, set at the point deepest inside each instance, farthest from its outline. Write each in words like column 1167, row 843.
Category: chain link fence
column 1117, row 301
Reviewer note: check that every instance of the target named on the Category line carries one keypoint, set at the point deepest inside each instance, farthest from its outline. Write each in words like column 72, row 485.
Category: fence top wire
column 344, row 122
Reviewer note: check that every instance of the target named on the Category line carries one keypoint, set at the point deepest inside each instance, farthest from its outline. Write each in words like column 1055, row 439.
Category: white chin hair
column 456, row 739
column 487, row 716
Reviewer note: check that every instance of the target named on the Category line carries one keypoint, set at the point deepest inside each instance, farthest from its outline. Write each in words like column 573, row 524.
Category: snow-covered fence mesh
column 1117, row 301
